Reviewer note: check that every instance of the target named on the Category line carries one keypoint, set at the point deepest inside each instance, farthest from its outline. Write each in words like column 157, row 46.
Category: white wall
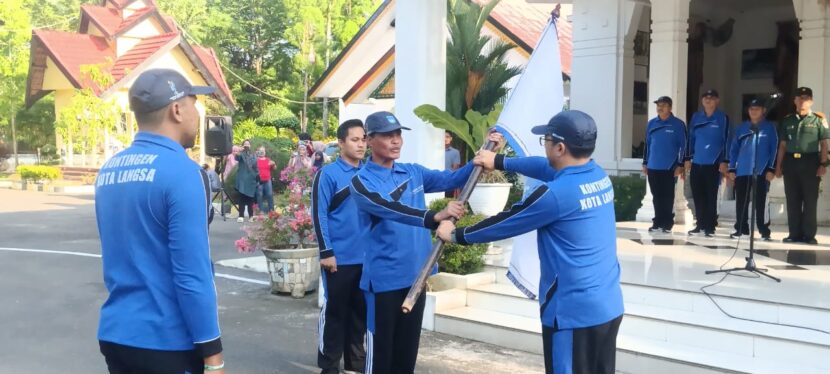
column 754, row 28
column 362, row 110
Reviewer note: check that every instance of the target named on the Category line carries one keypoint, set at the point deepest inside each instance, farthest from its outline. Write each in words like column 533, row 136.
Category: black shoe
column 653, row 228
column 694, row 231
column 735, row 235
column 710, row 234
column 766, row 238
column 790, row 239
column 666, row 231
column 812, row 241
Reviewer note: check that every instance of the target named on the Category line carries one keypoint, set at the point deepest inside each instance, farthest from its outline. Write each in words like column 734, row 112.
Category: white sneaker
column 240, row 220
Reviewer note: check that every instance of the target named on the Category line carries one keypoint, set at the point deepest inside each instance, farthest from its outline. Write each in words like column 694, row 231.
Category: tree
column 88, row 120
column 476, row 75
column 15, row 33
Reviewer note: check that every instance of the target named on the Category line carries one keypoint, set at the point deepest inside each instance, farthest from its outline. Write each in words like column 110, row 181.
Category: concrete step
column 635, row 353
column 678, row 325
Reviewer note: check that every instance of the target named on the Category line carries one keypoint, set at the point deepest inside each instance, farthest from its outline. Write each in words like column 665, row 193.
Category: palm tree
column 476, row 74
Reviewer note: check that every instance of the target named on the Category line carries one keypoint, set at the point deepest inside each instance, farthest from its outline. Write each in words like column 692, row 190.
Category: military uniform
column 803, row 136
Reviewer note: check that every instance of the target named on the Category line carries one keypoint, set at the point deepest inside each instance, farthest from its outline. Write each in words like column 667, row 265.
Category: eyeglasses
column 552, row 138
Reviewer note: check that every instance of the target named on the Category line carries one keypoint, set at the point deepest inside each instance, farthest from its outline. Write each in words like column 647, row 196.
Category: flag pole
column 438, row 247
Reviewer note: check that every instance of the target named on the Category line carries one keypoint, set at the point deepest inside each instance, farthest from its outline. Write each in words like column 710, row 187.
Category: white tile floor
column 678, row 261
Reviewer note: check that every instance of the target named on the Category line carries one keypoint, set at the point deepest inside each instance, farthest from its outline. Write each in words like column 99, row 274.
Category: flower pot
column 489, row 198
column 294, row 271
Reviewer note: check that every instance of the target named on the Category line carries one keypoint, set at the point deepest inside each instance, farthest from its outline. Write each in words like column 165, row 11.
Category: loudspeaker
column 218, row 136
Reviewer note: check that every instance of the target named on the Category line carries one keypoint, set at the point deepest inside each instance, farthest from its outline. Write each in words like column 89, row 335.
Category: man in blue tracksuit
column 764, row 135
column 573, row 213
column 708, row 141
column 341, row 237
column 151, row 205
column 390, row 199
column 663, row 161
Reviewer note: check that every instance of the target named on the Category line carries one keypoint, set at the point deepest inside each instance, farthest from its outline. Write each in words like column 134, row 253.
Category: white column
column 813, row 57
column 668, row 64
column 420, row 58
column 603, row 72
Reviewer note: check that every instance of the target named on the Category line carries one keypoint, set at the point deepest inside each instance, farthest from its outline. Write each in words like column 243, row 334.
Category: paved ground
column 51, row 303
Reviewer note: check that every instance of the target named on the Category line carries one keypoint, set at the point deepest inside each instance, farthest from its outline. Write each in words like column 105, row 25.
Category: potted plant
column 286, row 238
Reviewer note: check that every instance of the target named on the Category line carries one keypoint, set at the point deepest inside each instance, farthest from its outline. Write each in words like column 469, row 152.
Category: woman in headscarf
column 246, row 180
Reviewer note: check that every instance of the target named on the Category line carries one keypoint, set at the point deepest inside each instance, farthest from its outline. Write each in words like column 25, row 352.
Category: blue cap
column 381, row 122
column 157, row 88
column 756, row 102
column 663, row 99
column 573, row 127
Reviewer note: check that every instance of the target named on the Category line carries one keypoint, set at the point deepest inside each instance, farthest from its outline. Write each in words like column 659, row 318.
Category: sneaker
column 735, row 235
column 240, row 220
column 812, row 241
column 790, row 239
column 251, row 220
column 694, row 231
column 710, row 234
column 666, row 231
column 653, row 229
column 766, row 238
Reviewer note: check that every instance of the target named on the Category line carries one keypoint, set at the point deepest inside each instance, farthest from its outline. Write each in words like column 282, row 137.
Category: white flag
column 538, row 96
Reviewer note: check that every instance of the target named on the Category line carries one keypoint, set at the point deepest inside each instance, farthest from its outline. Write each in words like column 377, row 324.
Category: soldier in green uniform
column 802, row 160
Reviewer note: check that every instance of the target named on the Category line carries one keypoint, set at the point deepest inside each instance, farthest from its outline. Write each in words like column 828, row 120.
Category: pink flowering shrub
column 289, row 226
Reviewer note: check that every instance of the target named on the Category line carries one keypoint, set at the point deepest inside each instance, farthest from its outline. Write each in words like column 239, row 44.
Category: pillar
column 420, row 76
column 813, row 59
column 603, row 72
column 667, row 77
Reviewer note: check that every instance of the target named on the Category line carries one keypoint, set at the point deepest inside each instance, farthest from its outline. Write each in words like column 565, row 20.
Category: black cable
column 725, row 275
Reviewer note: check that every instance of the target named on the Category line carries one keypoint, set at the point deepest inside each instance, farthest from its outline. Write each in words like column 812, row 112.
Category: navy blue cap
column 573, row 127
column 804, row 91
column 710, row 92
column 663, row 99
column 381, row 122
column 157, row 88
column 756, row 102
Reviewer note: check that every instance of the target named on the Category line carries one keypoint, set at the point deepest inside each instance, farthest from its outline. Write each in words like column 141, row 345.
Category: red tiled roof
column 138, row 54
column 134, row 18
column 106, row 19
column 70, row 51
column 526, row 22
column 209, row 59
column 121, row 4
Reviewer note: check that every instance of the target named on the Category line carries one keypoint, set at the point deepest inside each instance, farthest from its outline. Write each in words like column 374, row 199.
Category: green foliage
column 36, row 125
column 475, row 81
column 14, row 56
column 457, row 258
column 628, row 196
column 248, row 129
column 280, row 117
column 37, row 173
column 472, row 130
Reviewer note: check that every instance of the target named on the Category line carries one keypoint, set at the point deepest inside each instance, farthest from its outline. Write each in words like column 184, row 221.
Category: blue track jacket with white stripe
column 740, row 152
column 665, row 143
column 573, row 214
column 708, row 138
column 151, row 204
column 391, row 203
column 334, row 212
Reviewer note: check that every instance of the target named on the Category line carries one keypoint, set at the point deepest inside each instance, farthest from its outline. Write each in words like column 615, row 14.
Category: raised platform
column 669, row 324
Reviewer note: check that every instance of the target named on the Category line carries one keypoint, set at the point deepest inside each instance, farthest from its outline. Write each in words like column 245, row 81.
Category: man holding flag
column 580, row 295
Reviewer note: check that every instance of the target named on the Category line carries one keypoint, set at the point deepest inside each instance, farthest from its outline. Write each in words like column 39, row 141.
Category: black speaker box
column 218, row 136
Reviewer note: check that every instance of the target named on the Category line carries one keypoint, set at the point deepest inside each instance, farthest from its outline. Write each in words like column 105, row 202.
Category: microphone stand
column 750, row 261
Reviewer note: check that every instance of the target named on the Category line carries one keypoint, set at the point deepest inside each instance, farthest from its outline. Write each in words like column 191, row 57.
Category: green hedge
column 628, row 196
column 38, row 173
column 457, row 258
